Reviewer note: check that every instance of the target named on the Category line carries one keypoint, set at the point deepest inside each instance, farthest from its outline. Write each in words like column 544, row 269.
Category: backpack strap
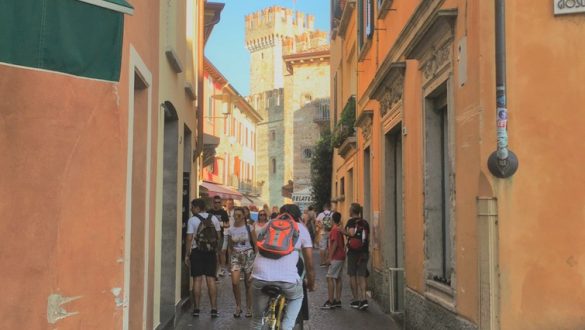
column 202, row 224
column 250, row 238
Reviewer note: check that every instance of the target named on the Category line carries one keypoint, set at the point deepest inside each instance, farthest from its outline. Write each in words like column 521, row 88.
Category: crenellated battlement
column 305, row 42
column 271, row 25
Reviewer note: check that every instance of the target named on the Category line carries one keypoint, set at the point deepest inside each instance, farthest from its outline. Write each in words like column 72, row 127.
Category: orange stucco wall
column 540, row 209
column 63, row 142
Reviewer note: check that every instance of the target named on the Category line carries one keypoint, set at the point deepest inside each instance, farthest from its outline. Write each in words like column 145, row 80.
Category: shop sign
column 563, row 7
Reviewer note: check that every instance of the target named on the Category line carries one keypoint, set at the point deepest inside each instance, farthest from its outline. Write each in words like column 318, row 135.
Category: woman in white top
column 241, row 243
column 262, row 221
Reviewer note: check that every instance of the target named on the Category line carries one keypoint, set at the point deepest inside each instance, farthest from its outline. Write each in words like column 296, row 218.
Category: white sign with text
column 563, row 7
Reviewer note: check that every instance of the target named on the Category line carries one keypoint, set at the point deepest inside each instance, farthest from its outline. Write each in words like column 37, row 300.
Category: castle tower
column 271, row 35
column 265, row 31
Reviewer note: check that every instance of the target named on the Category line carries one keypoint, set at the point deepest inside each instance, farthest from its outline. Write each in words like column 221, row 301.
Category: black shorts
column 203, row 263
column 357, row 263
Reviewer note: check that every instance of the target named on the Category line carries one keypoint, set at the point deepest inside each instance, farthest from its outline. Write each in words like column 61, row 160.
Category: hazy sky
column 226, row 48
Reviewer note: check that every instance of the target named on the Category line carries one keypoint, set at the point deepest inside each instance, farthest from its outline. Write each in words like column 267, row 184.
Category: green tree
column 321, row 169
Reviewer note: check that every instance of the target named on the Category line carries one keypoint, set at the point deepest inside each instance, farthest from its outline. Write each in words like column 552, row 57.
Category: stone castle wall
column 271, row 34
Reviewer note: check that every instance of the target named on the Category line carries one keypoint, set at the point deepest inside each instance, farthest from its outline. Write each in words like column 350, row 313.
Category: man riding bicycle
column 278, row 268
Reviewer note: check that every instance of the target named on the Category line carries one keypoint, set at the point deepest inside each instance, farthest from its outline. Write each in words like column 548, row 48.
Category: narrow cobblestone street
column 344, row 318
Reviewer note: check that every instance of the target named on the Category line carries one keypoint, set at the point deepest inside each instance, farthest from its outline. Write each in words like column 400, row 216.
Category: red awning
column 214, row 189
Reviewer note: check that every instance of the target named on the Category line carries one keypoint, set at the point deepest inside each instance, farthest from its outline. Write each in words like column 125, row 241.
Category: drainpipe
column 502, row 163
column 200, row 98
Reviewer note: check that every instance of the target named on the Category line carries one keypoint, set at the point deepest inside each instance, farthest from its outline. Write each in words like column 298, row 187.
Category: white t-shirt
column 319, row 220
column 240, row 238
column 194, row 223
column 285, row 268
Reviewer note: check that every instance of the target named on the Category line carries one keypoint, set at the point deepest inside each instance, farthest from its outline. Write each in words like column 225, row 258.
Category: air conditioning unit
column 397, row 283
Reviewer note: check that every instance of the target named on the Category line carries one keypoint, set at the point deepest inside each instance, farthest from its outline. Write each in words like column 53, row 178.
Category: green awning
column 78, row 37
column 116, row 5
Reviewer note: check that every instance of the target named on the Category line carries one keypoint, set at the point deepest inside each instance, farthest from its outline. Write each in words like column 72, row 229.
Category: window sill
column 364, row 50
column 441, row 294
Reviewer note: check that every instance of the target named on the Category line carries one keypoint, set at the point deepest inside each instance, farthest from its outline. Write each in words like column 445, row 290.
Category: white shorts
column 324, row 241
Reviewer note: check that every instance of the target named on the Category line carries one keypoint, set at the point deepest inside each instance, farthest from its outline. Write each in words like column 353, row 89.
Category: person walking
column 230, row 213
column 241, row 243
column 203, row 235
column 310, row 222
column 357, row 229
column 261, row 223
column 337, row 256
column 221, row 214
column 324, row 225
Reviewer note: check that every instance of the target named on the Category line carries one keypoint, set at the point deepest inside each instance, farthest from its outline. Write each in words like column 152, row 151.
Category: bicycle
column 276, row 309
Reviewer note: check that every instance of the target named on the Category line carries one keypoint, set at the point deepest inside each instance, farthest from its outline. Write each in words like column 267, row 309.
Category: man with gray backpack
column 324, row 223
column 202, row 246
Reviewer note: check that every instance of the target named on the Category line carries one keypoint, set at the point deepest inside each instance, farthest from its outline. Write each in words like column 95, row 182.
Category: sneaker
column 327, row 305
column 355, row 304
column 195, row 312
column 336, row 304
column 214, row 313
column 363, row 305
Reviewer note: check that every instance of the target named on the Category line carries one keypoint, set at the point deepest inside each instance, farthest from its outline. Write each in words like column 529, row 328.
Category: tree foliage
column 321, row 169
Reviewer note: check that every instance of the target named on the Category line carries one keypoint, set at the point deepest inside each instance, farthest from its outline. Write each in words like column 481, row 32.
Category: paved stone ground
column 340, row 318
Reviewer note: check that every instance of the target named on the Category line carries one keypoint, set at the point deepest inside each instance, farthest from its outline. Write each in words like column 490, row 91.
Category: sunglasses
column 261, row 214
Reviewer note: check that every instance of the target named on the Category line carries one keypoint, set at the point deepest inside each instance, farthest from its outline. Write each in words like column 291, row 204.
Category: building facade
column 230, row 161
column 111, row 154
column 457, row 241
column 289, row 73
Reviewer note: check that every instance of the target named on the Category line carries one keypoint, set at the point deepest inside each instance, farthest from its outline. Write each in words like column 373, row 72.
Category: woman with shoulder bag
column 241, row 241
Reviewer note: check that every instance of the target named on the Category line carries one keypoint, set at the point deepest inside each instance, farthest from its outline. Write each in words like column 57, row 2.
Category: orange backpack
column 279, row 237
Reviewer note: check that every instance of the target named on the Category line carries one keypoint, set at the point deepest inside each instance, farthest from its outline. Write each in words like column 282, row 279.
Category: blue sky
column 225, row 47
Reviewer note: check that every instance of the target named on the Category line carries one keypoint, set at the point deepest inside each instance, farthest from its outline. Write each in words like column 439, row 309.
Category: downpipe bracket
column 503, row 168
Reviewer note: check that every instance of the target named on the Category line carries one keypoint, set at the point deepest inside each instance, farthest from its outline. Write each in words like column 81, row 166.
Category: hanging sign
column 563, row 7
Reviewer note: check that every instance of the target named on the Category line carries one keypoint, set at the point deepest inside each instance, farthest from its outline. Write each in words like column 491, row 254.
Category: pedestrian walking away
column 241, row 243
column 221, row 214
column 337, row 259
column 323, row 222
column 203, row 235
column 357, row 229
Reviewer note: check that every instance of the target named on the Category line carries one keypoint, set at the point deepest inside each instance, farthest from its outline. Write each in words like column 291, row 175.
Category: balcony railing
column 345, row 126
column 249, row 188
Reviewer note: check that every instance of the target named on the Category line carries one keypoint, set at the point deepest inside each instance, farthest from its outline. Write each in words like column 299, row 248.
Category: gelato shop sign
column 569, row 6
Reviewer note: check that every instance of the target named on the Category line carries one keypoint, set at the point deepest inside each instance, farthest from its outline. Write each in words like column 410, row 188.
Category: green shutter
column 68, row 36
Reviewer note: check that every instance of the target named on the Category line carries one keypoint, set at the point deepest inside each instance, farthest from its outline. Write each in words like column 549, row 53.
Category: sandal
column 238, row 314
column 195, row 312
column 248, row 314
column 214, row 313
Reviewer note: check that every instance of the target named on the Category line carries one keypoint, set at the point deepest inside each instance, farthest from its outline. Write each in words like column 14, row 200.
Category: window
column 307, row 153
column 273, row 163
column 365, row 22
column 342, row 186
column 438, row 191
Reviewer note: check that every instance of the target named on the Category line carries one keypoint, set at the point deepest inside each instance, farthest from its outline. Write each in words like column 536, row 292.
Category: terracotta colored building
column 89, row 196
column 458, row 243
column 229, row 156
